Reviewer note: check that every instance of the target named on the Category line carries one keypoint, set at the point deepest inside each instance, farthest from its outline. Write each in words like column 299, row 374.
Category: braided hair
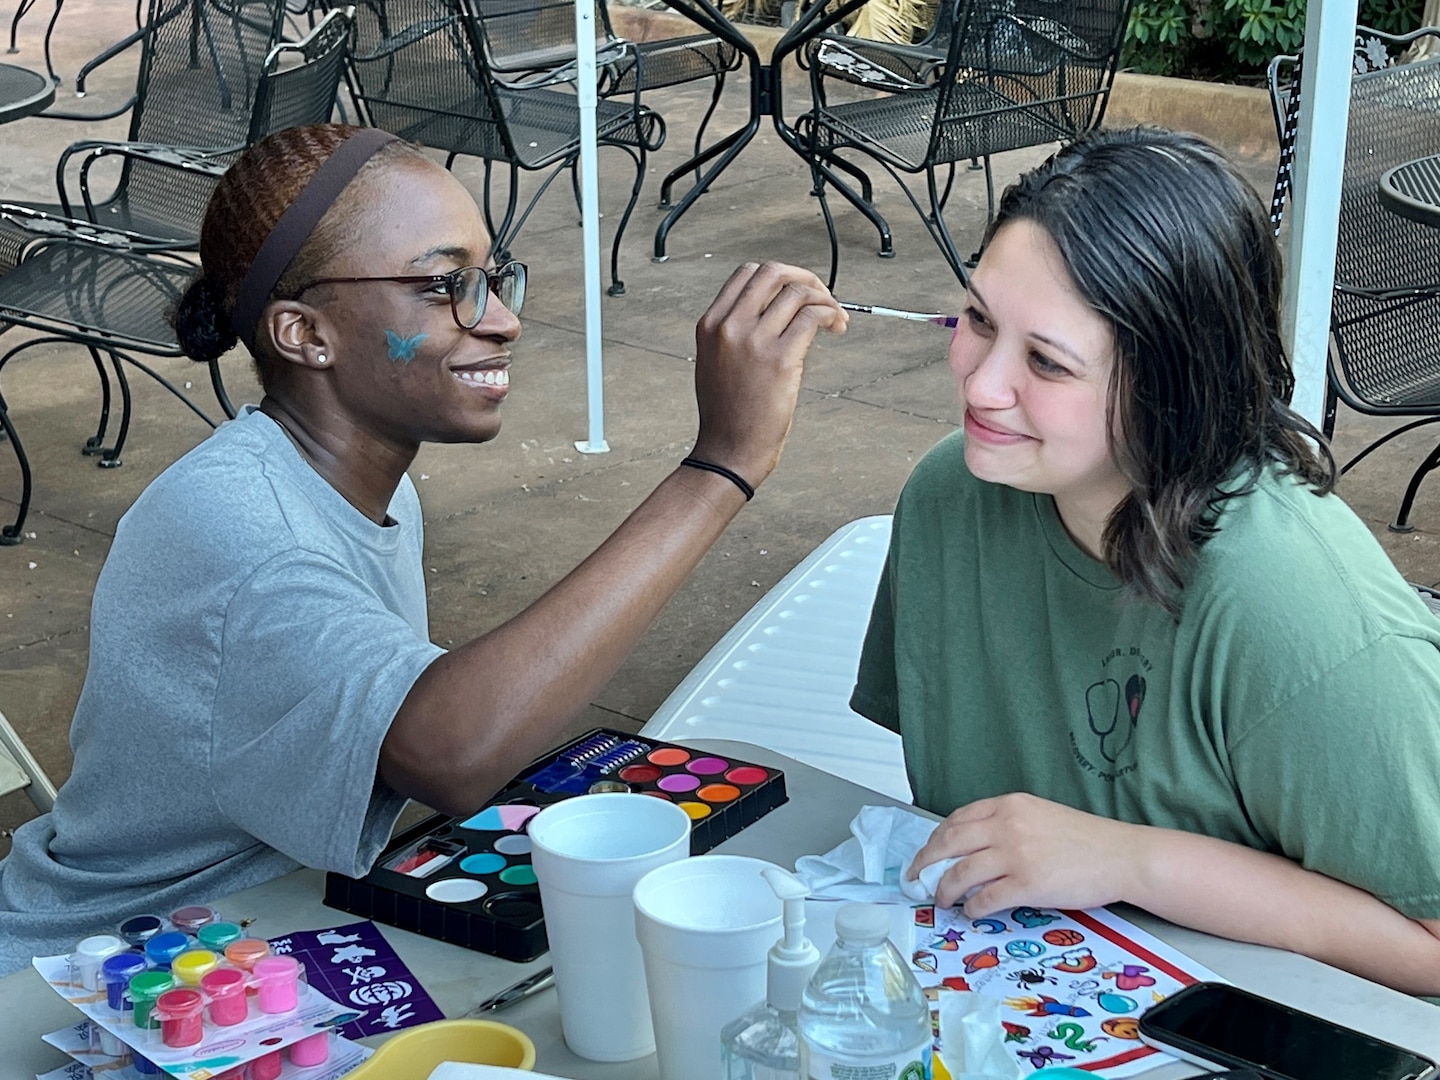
column 244, row 208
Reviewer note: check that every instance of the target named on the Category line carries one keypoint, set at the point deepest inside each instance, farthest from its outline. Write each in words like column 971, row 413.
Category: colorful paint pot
column 143, row 1065
column 708, row 766
column 180, row 1013
column 190, row 919
column 193, row 965
column 162, row 949
column 145, row 988
column 267, row 1066
column 747, row 774
column 278, row 981
column 115, row 975
column 311, row 1050
column 225, row 988
column 668, row 756
column 89, row 954
column 719, row 793
column 218, row 935
column 141, row 928
column 245, row 952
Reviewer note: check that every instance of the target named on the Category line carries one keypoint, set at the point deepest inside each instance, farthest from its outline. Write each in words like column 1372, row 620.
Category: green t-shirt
column 1294, row 708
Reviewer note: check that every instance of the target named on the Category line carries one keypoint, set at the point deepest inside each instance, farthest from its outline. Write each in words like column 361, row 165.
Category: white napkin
column 467, row 1070
column 972, row 1040
column 871, row 865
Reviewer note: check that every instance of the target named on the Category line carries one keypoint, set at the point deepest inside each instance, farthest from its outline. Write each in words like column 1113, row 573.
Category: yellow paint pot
column 417, row 1051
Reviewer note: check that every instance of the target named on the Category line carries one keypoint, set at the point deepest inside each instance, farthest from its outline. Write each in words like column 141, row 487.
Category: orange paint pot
column 668, row 755
column 719, row 793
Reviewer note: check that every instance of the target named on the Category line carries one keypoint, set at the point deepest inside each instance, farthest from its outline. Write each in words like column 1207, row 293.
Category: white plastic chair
column 20, row 771
column 782, row 676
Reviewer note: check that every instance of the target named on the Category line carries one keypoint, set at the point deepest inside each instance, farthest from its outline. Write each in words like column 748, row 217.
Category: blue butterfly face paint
column 402, row 349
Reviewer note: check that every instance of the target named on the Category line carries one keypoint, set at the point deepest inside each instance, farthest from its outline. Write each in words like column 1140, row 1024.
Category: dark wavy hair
column 1171, row 246
column 246, row 204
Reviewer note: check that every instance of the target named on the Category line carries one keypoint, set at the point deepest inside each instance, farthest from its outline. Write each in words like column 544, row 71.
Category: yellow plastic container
column 413, row 1054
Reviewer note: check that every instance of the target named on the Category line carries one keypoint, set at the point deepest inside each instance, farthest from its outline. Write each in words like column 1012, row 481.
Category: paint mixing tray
column 470, row 881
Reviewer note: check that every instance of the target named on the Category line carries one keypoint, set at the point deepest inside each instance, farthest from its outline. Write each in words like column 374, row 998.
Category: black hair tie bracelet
column 733, row 477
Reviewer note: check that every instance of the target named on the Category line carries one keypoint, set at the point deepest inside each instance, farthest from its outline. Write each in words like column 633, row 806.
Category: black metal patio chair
column 1016, row 73
column 421, row 69
column 533, row 42
column 1384, row 357
column 201, row 64
column 109, row 289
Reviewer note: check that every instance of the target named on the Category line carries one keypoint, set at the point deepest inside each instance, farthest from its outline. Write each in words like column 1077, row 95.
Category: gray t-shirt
column 252, row 637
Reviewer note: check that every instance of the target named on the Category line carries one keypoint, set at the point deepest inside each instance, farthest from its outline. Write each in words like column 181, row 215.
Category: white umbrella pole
column 590, row 220
column 1315, row 224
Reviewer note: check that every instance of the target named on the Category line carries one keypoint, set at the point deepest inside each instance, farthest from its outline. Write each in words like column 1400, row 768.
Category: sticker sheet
column 355, row 965
column 221, row 1048
column 1073, row 983
column 90, row 1064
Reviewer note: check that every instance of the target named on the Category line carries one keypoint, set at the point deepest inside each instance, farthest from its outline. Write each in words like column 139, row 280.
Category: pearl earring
column 321, row 358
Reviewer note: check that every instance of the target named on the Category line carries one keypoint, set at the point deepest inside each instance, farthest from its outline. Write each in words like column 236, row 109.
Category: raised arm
column 481, row 712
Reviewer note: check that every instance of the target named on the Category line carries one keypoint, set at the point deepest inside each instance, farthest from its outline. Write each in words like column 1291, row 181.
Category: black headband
column 297, row 223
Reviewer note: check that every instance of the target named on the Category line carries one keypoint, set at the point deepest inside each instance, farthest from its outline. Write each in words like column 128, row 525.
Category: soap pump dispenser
column 762, row 1043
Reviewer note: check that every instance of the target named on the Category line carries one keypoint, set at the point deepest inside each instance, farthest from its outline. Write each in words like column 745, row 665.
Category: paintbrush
column 895, row 313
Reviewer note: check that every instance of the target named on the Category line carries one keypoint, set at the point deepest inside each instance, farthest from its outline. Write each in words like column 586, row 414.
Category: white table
column 814, row 820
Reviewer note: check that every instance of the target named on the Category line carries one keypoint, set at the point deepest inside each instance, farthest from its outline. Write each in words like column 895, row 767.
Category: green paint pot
column 145, row 988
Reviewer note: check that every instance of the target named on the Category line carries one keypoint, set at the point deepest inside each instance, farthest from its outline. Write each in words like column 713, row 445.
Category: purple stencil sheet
column 356, row 966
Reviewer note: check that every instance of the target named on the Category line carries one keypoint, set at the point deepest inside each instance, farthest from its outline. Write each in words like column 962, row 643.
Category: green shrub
column 1235, row 39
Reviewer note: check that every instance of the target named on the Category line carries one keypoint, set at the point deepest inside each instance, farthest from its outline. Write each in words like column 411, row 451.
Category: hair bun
column 202, row 325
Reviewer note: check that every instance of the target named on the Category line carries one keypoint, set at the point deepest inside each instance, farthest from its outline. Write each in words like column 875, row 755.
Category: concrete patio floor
column 504, row 521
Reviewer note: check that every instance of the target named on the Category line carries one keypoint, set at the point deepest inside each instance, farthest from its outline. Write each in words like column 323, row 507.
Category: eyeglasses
column 468, row 289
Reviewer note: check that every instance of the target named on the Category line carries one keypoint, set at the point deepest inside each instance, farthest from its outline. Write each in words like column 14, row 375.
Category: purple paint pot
column 679, row 783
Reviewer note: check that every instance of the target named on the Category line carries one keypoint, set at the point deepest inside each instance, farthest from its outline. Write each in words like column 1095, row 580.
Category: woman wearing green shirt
column 1136, row 649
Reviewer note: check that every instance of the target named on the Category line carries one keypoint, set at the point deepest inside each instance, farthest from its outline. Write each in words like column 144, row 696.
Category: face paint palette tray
column 469, row 881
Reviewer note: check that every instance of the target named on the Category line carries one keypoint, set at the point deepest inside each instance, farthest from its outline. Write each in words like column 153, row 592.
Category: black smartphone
column 1219, row 1026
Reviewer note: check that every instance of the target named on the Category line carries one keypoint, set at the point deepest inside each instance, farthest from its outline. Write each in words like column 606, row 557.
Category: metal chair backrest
column 200, row 70
column 302, row 78
column 419, row 70
column 533, row 37
column 1387, row 348
column 1018, row 68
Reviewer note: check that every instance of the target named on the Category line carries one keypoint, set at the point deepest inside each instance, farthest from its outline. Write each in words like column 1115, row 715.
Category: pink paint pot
column 266, row 1067
column 278, row 981
column 311, row 1050
column 225, row 988
column 179, row 1013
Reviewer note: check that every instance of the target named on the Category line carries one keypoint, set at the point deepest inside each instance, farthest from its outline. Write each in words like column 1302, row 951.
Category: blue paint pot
column 163, row 948
column 145, row 1067
column 115, row 975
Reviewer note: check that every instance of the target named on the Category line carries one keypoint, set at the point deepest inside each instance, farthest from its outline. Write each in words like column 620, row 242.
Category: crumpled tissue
column 467, row 1070
column 972, row 1044
column 871, row 865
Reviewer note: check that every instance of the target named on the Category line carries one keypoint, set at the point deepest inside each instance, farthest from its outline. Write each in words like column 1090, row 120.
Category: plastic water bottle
column 863, row 1015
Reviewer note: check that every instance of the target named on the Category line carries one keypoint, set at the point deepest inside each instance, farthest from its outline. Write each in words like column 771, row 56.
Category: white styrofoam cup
column 705, row 927
column 588, row 854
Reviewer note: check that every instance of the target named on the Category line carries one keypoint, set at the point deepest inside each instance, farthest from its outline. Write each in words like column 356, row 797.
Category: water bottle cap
column 862, row 924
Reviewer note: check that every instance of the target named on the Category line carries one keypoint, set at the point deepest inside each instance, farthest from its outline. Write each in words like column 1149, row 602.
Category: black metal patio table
column 1412, row 190
column 23, row 92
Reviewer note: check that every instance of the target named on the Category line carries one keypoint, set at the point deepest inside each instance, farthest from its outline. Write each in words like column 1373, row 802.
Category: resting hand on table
column 1019, row 849
column 750, row 349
